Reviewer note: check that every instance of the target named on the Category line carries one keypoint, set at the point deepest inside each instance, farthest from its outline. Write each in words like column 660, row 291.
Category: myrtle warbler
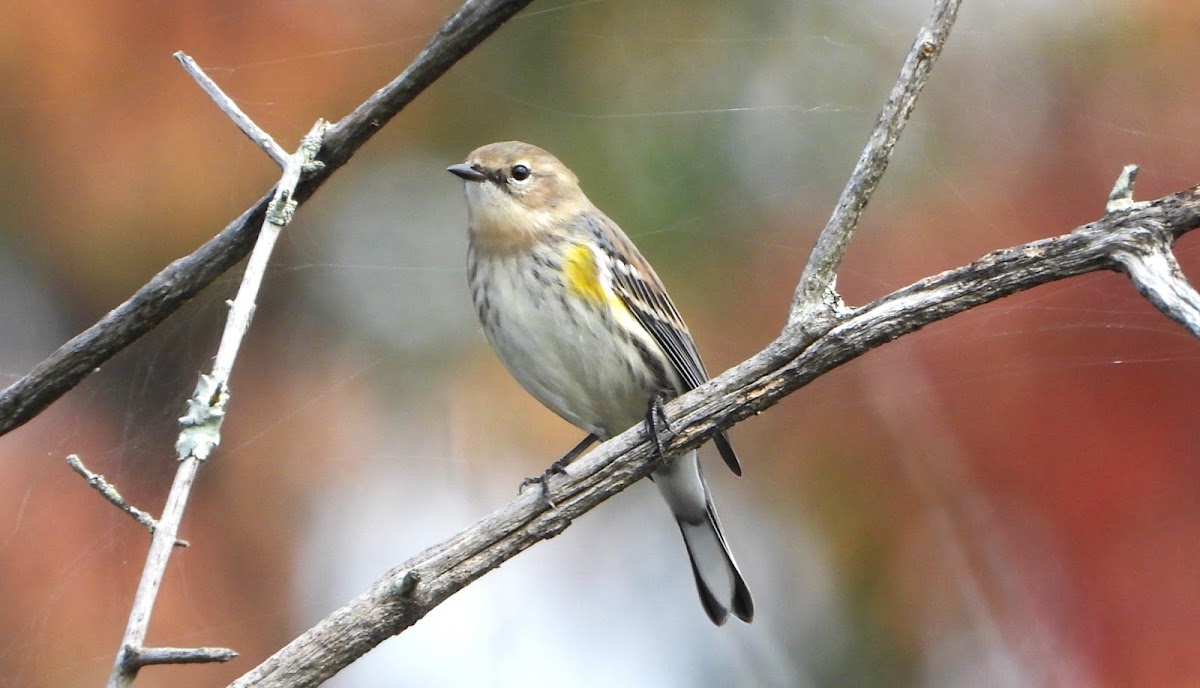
column 580, row 319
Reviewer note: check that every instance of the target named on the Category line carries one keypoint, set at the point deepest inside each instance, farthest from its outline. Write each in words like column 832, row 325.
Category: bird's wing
column 639, row 288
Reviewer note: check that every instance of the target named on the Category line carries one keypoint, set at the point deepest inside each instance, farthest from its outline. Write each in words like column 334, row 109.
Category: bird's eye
column 520, row 172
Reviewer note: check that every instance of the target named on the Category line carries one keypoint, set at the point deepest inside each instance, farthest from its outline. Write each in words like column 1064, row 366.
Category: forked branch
column 167, row 291
column 408, row 592
column 821, row 334
column 202, row 432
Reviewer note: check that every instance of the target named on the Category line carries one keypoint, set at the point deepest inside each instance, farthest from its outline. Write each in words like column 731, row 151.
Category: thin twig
column 167, row 291
column 184, row 655
column 815, row 301
column 206, row 409
column 150, row 656
column 256, row 134
column 109, row 492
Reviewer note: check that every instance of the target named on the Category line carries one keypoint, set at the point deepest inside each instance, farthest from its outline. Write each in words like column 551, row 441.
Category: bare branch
column 206, row 410
column 109, row 492
column 186, row 277
column 256, row 134
column 821, row 335
column 1157, row 276
column 182, row 655
column 394, row 603
column 815, row 299
column 405, row 594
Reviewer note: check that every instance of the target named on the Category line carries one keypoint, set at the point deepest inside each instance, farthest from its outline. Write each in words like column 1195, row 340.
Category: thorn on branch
column 109, row 492
column 929, row 47
column 1121, row 196
column 135, row 659
column 407, row 584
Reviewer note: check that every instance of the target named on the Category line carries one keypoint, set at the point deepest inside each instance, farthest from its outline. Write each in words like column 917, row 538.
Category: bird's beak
column 467, row 172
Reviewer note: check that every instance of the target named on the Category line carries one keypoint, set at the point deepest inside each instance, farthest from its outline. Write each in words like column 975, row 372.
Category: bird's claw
column 656, row 414
column 543, row 480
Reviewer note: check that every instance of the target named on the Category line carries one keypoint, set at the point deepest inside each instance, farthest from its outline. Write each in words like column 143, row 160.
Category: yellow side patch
column 581, row 274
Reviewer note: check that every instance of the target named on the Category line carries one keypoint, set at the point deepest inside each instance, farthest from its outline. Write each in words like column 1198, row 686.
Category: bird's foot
column 543, row 480
column 558, row 468
column 656, row 414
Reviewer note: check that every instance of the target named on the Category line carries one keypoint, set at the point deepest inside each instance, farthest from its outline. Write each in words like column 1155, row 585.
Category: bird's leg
column 655, row 414
column 559, row 467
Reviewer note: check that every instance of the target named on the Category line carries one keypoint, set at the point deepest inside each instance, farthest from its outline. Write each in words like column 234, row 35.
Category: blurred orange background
column 1010, row 497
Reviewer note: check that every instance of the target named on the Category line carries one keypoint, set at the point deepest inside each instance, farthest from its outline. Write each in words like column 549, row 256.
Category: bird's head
column 517, row 187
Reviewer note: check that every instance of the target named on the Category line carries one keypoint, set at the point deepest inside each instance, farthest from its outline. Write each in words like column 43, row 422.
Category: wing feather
column 643, row 294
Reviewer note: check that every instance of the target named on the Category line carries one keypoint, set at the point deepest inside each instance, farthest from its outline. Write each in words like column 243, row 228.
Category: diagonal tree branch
column 409, row 592
column 186, row 277
column 815, row 298
column 821, row 335
column 406, row 593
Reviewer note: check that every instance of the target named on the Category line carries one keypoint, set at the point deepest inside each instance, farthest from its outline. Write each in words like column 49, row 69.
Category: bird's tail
column 718, row 580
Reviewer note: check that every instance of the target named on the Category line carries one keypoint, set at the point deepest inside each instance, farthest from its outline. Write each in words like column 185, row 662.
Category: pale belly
column 564, row 352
